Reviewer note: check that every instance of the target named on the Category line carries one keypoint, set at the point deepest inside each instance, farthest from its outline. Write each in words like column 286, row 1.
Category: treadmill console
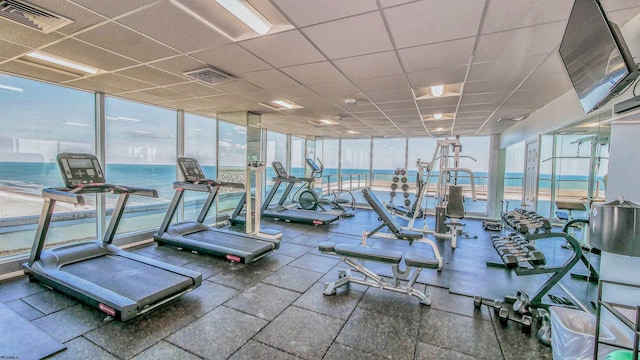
column 280, row 170
column 79, row 169
column 191, row 169
column 312, row 164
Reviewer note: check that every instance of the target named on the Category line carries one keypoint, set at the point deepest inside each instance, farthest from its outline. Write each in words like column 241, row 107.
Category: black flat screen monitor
column 595, row 55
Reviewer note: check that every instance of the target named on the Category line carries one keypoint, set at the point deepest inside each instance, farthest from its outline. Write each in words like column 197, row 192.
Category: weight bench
column 414, row 263
column 396, row 231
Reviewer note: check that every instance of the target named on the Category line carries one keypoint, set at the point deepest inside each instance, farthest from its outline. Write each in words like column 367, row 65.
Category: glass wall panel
column 200, row 143
column 422, row 149
column 474, row 156
column 514, row 174
column 141, row 151
column 39, row 121
column 276, row 151
column 298, row 163
column 355, row 162
column 387, row 156
column 327, row 150
column 232, row 162
column 544, row 178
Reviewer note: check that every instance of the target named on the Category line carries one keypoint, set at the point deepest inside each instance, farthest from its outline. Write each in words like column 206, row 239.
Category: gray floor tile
column 240, row 277
column 273, row 262
column 255, row 350
column 333, row 275
column 316, row 263
column 14, row 289
column 218, row 334
column 293, row 250
column 515, row 345
column 164, row 350
column 471, row 336
column 430, row 352
column 301, row 332
column 81, row 348
column 205, row 298
column 25, row 310
column 295, row 279
column 77, row 320
column 128, row 339
column 343, row 352
column 340, row 305
column 264, row 301
column 386, row 335
column 442, row 299
column 308, row 239
column 49, row 301
column 392, row 303
column 206, row 268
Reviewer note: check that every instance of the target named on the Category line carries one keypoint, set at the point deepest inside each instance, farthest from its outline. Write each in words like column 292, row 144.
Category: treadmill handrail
column 64, row 196
column 114, row 189
column 201, row 187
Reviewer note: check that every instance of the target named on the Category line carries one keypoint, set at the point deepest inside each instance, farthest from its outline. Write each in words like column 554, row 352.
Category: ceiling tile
column 284, row 49
column 445, row 75
column 363, row 34
column 178, row 65
column 316, row 73
column 9, row 50
column 508, row 14
column 369, row 66
column 232, row 59
column 151, row 75
column 336, row 91
column 90, row 55
column 167, row 93
column 195, row 89
column 200, row 36
column 442, row 54
column 493, row 85
column 236, row 87
column 532, row 40
column 268, row 79
column 483, row 98
column 123, row 41
column 426, row 22
column 119, row 81
column 98, row 86
column 391, row 94
column 142, row 97
column 382, row 82
column 113, row 8
column 517, row 68
column 314, row 12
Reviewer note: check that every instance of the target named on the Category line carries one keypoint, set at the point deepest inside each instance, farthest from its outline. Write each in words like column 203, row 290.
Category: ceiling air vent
column 32, row 16
column 210, row 75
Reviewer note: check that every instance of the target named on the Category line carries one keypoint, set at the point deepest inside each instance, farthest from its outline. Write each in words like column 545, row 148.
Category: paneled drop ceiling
column 384, row 54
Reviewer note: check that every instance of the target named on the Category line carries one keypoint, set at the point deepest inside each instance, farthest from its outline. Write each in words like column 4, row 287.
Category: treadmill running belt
column 138, row 281
column 234, row 243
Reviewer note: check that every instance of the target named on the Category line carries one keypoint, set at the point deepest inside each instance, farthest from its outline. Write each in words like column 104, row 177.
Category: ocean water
column 32, row 177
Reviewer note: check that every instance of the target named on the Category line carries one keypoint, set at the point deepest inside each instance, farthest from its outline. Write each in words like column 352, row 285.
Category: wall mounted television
column 595, row 55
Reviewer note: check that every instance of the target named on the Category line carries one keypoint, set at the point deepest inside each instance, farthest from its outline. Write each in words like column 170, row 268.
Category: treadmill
column 195, row 235
column 122, row 285
column 281, row 212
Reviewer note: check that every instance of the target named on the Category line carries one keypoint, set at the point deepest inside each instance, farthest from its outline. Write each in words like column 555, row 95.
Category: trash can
column 573, row 332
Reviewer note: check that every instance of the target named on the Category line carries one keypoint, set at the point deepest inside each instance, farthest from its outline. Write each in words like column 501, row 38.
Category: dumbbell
column 522, row 303
column 544, row 324
column 525, row 321
column 534, row 257
column 478, row 301
column 405, row 187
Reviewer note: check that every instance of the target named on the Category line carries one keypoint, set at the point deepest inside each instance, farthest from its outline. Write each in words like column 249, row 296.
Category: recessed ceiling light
column 65, row 63
column 439, row 129
column 438, row 116
column 247, row 14
column 436, row 90
column 284, row 103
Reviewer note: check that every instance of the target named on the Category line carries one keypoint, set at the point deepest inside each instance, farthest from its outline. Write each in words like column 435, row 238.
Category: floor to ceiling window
column 276, row 151
column 327, row 151
column 38, row 122
column 232, row 161
column 141, row 151
column 298, row 164
column 200, row 135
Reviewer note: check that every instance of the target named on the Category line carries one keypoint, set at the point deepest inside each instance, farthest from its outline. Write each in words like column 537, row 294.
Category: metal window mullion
column 100, row 144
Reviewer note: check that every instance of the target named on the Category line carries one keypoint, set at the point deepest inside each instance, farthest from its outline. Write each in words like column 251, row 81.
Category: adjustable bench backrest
column 377, row 206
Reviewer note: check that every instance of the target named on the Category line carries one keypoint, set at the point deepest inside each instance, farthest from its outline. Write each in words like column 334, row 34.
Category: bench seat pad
column 368, row 253
column 421, row 261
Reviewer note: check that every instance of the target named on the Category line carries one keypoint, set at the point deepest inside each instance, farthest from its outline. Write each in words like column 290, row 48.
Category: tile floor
column 275, row 309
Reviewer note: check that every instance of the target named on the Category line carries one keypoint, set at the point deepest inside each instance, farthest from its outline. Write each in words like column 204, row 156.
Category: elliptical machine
column 308, row 199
